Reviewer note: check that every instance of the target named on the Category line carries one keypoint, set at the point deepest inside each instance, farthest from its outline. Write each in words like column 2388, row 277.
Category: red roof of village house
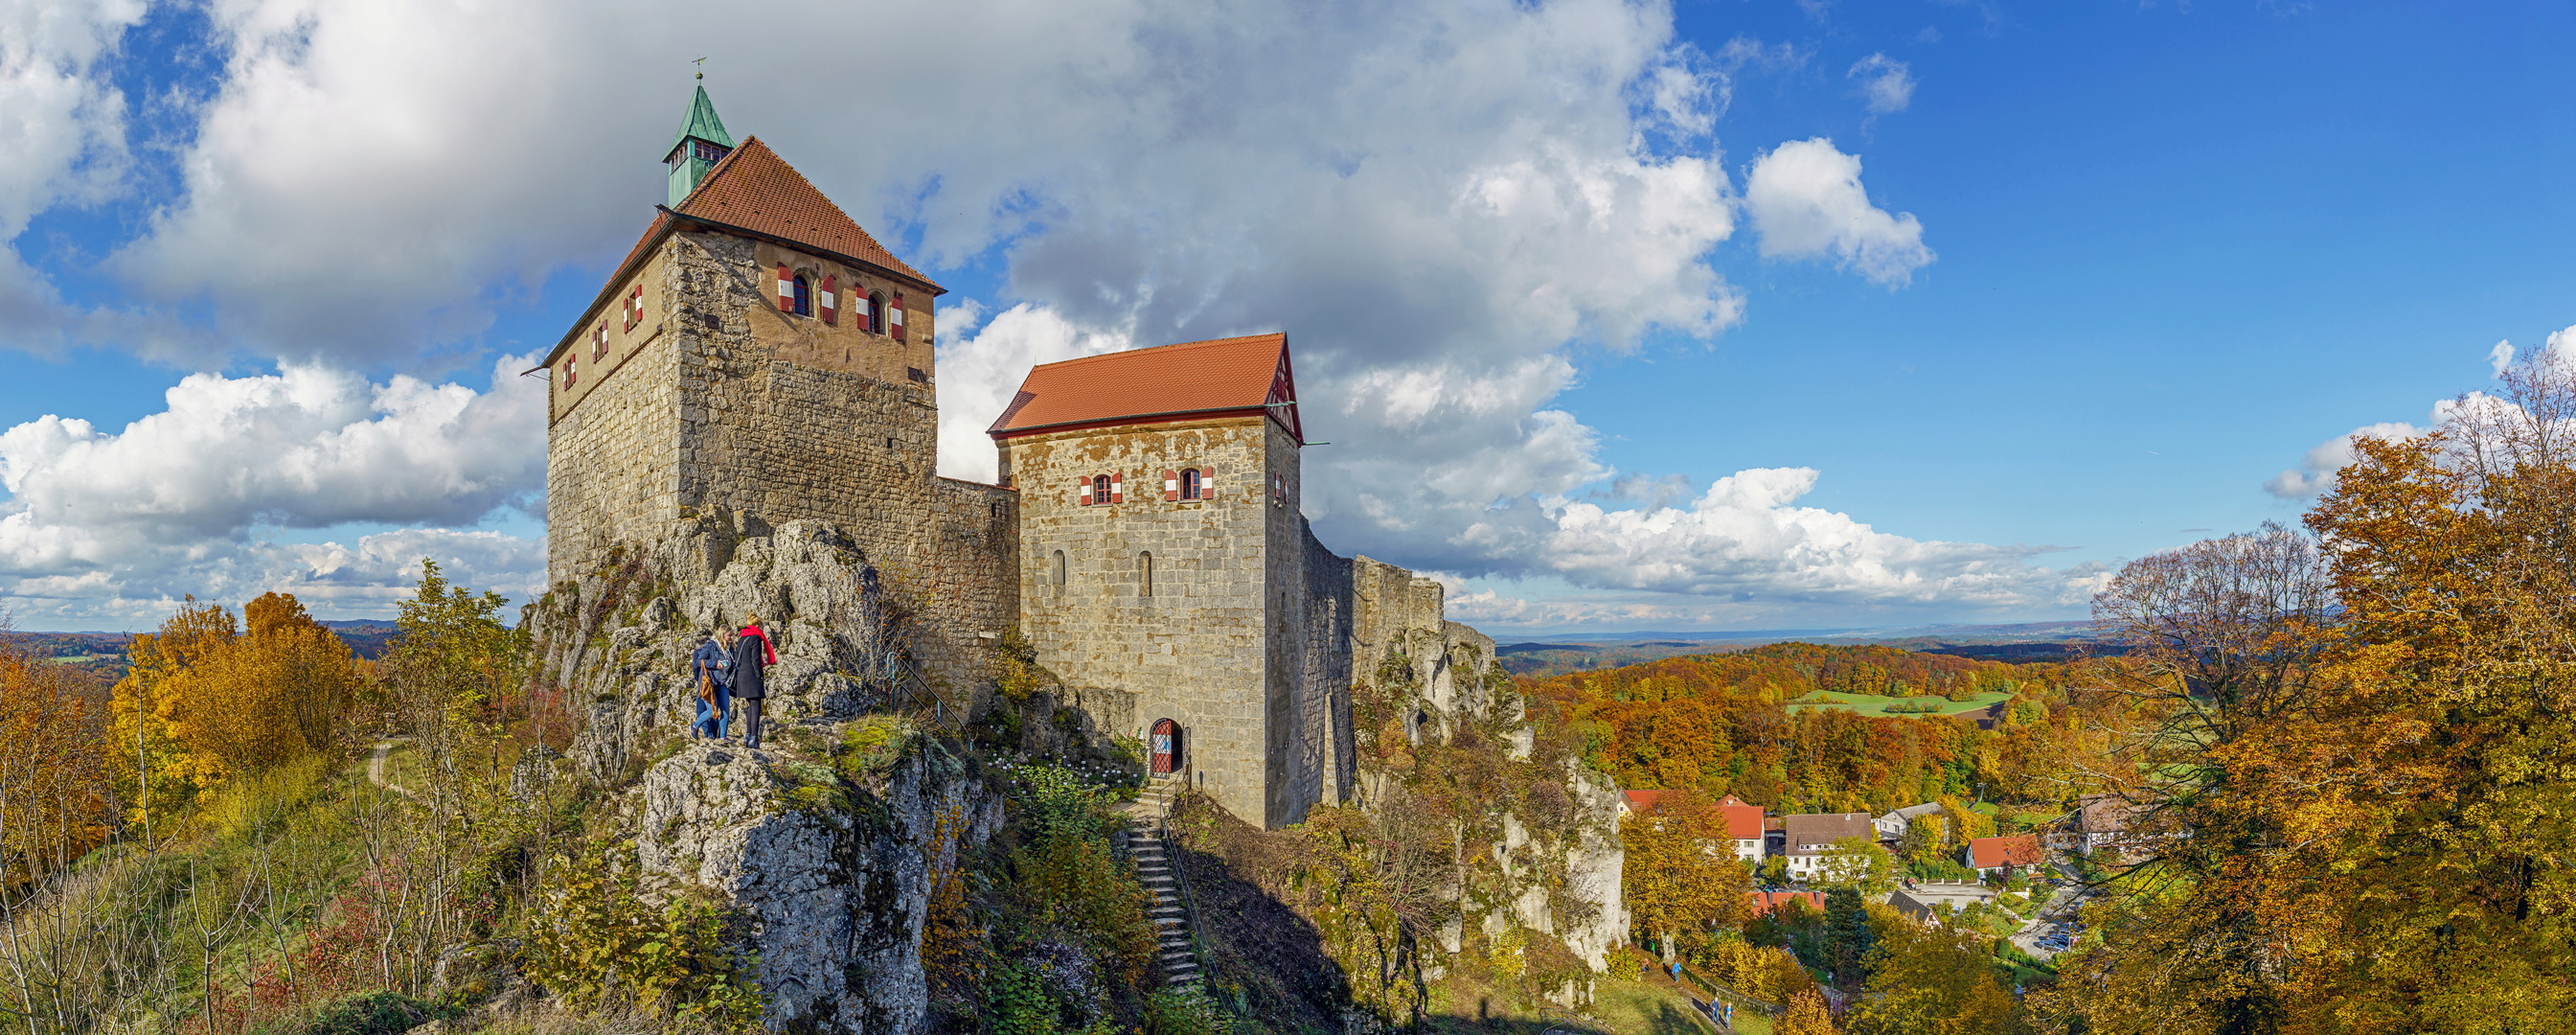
column 1640, row 801
column 1743, row 822
column 2017, row 849
column 1766, row 901
column 1190, row 380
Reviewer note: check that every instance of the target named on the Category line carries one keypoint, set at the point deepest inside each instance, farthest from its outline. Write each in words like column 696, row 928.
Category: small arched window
column 1190, row 483
column 1059, row 567
column 873, row 321
column 804, row 296
column 1145, row 574
column 1099, row 488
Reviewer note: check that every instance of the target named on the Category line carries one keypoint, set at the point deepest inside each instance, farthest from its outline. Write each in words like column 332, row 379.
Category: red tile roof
column 1743, row 822
column 754, row 189
column 1640, row 801
column 1766, row 901
column 1170, row 382
column 1986, row 853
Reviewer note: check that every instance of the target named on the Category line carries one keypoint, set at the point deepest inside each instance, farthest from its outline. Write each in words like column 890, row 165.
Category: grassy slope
column 1873, row 704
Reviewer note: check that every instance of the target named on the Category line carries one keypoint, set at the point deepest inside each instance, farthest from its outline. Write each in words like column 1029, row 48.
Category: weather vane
column 702, row 68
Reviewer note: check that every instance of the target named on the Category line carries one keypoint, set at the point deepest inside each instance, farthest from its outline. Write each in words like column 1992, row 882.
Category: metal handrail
column 1189, row 902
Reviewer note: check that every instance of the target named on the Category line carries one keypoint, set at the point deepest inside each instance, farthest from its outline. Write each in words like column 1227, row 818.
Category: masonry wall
column 1195, row 650
column 730, row 406
column 612, row 445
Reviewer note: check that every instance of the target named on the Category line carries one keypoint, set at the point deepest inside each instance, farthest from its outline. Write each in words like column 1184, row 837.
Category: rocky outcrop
column 838, row 888
column 617, row 640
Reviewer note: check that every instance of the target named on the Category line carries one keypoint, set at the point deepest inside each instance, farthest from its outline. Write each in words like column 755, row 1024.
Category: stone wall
column 726, row 406
column 1194, row 649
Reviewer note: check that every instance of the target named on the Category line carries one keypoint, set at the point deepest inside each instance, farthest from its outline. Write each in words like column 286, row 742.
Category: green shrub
column 597, row 943
column 873, row 745
column 372, row 1013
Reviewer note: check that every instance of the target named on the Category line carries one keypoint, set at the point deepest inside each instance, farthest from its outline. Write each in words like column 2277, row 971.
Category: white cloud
column 1886, row 84
column 1746, row 538
column 1806, row 201
column 179, row 501
column 62, row 129
column 1443, row 230
column 2316, row 470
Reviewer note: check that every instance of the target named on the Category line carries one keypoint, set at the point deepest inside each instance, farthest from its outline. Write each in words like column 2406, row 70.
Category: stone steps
column 1176, row 951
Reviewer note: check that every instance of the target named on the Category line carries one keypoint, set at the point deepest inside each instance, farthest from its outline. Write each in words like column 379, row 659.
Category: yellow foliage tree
column 1806, row 1015
column 204, row 701
column 152, row 766
column 1932, row 981
column 1681, row 877
column 1760, row 972
column 2367, row 806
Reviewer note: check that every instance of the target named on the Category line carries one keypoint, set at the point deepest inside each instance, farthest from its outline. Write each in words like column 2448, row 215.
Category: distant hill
column 102, row 654
column 2022, row 643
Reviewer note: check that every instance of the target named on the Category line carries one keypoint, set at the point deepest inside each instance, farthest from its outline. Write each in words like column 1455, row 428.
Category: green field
column 1873, row 704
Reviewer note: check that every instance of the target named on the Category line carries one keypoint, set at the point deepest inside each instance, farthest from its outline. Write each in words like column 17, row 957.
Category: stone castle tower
column 758, row 357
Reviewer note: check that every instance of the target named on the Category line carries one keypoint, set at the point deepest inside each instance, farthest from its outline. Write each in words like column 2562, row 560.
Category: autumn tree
column 1681, row 876
column 1857, row 863
column 279, row 691
column 1933, row 981
column 1805, row 1014
column 53, row 800
column 153, row 767
column 2363, row 789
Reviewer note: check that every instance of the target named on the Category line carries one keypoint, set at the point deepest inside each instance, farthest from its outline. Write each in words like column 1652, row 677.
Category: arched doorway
column 1163, row 747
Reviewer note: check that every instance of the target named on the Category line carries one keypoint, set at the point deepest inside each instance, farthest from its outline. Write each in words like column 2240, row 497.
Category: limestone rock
column 838, row 896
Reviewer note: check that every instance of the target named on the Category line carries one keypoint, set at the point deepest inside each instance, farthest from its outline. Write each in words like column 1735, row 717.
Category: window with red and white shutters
column 634, row 307
column 570, row 374
column 831, row 300
column 1171, row 485
column 1084, row 496
column 786, row 290
column 1117, row 488
column 1207, row 483
column 599, row 341
column 894, row 316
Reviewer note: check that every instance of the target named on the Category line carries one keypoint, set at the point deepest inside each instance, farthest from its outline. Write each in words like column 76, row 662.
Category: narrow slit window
column 1145, row 573
column 1059, row 567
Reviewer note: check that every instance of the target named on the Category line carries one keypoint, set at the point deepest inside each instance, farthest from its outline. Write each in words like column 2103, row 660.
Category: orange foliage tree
column 1681, row 877
column 53, row 800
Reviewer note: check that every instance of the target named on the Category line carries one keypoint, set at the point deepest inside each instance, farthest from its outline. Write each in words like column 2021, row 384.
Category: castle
column 759, row 355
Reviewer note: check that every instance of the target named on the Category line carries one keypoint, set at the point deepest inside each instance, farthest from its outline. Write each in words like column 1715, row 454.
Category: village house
column 1810, row 836
column 2107, row 821
column 1891, row 827
column 1764, row 902
column 1742, row 823
column 1993, row 856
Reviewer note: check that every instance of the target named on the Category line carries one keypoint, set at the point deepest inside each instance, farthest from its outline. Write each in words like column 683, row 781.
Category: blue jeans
column 714, row 722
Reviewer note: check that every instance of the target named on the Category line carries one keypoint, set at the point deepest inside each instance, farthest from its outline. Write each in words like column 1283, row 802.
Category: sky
column 1700, row 315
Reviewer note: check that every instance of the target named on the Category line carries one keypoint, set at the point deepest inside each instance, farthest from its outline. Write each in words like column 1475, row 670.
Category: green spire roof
column 702, row 123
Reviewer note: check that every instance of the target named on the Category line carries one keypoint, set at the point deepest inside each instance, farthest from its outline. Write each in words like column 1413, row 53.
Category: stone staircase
column 1148, row 846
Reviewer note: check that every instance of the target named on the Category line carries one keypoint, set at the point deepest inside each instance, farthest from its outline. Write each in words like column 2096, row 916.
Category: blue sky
column 2104, row 271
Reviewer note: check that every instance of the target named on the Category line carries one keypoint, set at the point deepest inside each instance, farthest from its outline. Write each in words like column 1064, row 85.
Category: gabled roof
column 1640, row 801
column 1986, row 853
column 1743, row 822
column 755, row 193
column 1191, row 380
column 754, row 189
column 1766, row 901
column 1812, row 832
column 702, row 123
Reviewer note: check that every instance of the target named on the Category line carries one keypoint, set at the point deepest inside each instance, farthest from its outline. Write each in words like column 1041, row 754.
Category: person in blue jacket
column 712, row 662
